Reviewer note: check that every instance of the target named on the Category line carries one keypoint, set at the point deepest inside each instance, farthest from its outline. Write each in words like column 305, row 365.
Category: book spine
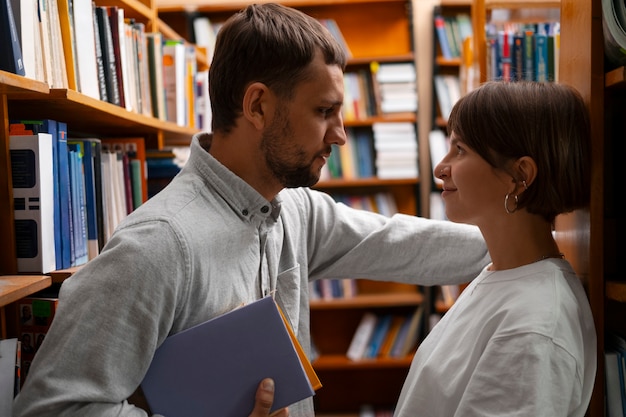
column 108, row 56
column 362, row 336
column 102, row 83
column 11, row 58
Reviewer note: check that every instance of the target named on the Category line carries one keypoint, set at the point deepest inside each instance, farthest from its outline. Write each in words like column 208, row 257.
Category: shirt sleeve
column 110, row 319
column 347, row 243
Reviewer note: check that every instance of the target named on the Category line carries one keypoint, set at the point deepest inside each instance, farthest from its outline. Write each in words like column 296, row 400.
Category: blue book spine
column 541, row 57
column 64, row 194
column 87, row 151
column 78, row 206
column 440, row 29
column 51, row 127
column 380, row 331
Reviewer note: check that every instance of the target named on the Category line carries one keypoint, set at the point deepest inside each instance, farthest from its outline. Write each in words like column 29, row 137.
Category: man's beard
column 287, row 161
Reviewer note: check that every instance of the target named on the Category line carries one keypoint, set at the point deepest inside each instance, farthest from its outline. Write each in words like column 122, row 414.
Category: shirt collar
column 243, row 199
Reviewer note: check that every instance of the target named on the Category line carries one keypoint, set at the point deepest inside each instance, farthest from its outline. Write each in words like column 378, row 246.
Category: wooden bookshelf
column 481, row 10
column 588, row 237
column 16, row 287
column 24, row 98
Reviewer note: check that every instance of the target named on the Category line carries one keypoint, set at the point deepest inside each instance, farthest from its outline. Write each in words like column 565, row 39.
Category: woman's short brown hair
column 503, row 121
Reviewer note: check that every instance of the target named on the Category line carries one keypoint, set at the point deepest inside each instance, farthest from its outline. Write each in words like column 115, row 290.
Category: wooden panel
column 8, row 255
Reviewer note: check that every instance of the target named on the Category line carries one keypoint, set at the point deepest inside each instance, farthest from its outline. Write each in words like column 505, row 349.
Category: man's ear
column 255, row 104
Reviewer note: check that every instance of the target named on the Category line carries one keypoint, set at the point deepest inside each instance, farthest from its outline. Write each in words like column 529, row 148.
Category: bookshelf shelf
column 339, row 362
column 369, row 300
column 88, row 115
column 231, row 5
column 616, row 78
column 616, row 291
column 15, row 287
column 521, row 4
column 140, row 10
column 15, row 85
column 365, row 182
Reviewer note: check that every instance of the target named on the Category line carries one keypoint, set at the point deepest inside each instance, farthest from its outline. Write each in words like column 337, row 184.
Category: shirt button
column 265, row 209
column 244, row 212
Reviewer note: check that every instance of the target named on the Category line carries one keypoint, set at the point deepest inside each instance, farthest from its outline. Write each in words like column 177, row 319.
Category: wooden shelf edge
column 616, row 77
column 616, row 291
column 522, row 4
column 15, row 287
column 235, row 5
column 364, row 182
column 14, row 85
column 341, row 362
column 369, row 301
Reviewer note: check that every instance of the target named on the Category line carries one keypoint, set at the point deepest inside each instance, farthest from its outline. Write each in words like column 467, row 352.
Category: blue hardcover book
column 444, row 42
column 365, row 153
column 64, row 194
column 79, row 218
column 380, row 331
column 210, row 369
column 84, row 146
column 541, row 57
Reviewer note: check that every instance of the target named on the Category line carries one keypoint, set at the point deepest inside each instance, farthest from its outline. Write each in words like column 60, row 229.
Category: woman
column 520, row 339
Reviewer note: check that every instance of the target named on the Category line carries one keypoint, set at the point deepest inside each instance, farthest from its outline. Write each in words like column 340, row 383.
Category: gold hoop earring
column 506, row 203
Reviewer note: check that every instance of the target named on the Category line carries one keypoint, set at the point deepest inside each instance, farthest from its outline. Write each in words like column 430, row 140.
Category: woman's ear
column 255, row 104
column 526, row 171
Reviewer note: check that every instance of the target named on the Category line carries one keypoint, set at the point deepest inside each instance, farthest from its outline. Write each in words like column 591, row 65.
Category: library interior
column 99, row 101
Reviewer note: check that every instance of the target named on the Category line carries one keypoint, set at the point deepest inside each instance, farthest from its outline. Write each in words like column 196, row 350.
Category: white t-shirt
column 519, row 342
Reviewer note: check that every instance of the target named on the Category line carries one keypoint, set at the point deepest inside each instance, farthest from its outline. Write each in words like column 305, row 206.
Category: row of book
column 380, row 89
column 329, row 289
column 386, row 335
column 385, row 150
column 451, row 31
column 523, row 51
column 70, row 193
column 99, row 52
column 203, row 32
column 448, row 92
column 615, row 375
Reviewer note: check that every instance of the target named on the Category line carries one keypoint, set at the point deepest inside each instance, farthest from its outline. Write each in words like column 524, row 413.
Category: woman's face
column 473, row 190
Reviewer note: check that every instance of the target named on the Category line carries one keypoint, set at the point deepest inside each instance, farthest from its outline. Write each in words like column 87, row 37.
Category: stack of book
column 397, row 87
column 396, row 150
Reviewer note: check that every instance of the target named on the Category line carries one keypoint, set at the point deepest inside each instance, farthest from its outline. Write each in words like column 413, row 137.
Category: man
column 238, row 223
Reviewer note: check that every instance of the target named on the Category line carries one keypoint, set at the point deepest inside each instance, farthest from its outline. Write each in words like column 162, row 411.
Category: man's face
column 298, row 140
